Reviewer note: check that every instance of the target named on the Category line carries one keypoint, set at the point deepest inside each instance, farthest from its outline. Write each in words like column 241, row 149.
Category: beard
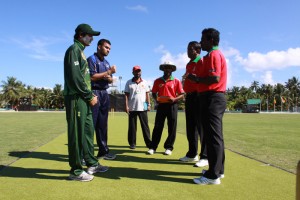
column 87, row 40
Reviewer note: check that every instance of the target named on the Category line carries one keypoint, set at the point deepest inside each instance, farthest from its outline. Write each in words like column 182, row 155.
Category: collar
column 214, row 48
column 171, row 78
column 197, row 59
column 96, row 55
column 81, row 46
column 135, row 81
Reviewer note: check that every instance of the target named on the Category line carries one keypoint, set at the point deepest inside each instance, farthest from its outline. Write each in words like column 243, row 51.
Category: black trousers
column 194, row 127
column 169, row 111
column 212, row 108
column 132, row 125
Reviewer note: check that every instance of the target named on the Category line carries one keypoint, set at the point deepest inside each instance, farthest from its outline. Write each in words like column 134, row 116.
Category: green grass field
column 270, row 138
column 41, row 174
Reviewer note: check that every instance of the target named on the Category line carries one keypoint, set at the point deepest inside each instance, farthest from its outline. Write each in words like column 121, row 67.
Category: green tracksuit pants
column 80, row 133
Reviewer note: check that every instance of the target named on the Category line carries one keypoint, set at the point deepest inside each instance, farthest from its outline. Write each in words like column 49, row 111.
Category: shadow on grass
column 39, row 155
column 19, row 172
column 114, row 172
column 144, row 174
column 149, row 159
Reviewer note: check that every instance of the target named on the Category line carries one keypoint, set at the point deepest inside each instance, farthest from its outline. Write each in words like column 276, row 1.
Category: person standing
column 78, row 99
column 137, row 102
column 212, row 79
column 166, row 91
column 101, row 75
column 193, row 128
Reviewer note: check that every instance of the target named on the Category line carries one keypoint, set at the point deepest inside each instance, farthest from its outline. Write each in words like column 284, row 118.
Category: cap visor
column 96, row 33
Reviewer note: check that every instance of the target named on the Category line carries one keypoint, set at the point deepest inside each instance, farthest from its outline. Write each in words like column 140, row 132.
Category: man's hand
column 192, row 77
column 113, row 69
column 94, row 101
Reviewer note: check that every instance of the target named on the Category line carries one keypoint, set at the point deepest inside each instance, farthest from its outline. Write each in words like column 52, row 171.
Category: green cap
column 85, row 28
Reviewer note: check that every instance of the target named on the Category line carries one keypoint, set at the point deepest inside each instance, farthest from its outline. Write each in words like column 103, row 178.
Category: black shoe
column 131, row 147
column 107, row 156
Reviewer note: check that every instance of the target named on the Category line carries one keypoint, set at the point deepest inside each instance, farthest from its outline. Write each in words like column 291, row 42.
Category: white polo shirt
column 137, row 94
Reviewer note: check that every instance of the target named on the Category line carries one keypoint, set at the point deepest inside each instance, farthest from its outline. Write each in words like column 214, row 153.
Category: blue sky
column 260, row 38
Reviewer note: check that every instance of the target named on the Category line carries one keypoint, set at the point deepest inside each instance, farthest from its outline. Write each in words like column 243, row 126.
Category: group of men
column 87, row 104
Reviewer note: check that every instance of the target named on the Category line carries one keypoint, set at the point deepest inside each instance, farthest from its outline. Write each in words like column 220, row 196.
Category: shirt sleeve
column 179, row 87
column 216, row 63
column 92, row 65
column 147, row 86
column 76, row 76
column 127, row 87
column 155, row 87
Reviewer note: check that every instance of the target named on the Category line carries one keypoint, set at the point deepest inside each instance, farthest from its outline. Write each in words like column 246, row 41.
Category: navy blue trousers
column 100, row 117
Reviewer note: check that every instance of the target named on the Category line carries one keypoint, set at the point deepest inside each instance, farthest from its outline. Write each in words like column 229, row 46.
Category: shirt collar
column 81, row 46
column 171, row 78
column 197, row 59
column 135, row 81
column 214, row 48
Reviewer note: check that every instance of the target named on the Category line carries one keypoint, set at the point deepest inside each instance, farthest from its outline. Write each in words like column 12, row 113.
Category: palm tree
column 57, row 98
column 43, row 98
column 254, row 86
column 293, row 85
column 12, row 91
column 266, row 92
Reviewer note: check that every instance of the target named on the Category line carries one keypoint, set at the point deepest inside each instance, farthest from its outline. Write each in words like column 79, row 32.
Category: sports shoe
column 206, row 181
column 220, row 175
column 168, row 152
column 131, row 147
column 150, row 151
column 107, row 156
column 96, row 169
column 201, row 163
column 188, row 159
column 84, row 177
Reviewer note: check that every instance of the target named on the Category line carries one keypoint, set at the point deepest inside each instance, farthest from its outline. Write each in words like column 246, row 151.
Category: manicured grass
column 42, row 174
column 271, row 138
column 21, row 132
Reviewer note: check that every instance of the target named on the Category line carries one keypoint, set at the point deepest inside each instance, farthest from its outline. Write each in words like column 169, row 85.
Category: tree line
column 278, row 97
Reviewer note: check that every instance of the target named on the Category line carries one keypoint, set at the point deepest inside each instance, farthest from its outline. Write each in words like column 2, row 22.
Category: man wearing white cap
column 166, row 91
column 137, row 103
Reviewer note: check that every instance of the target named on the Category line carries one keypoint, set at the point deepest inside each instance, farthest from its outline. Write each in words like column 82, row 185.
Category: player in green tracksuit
column 78, row 101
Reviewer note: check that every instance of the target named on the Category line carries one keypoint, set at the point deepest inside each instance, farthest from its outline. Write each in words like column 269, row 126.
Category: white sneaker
column 188, row 159
column 96, row 169
column 201, row 163
column 220, row 175
column 84, row 177
column 206, row 181
column 168, row 152
column 150, row 151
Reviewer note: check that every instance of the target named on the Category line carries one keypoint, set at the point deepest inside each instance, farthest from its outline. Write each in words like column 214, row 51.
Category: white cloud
column 39, row 47
column 272, row 60
column 139, row 8
column 267, row 78
column 180, row 60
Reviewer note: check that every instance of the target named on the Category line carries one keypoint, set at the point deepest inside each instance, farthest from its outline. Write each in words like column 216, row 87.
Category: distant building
column 253, row 106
